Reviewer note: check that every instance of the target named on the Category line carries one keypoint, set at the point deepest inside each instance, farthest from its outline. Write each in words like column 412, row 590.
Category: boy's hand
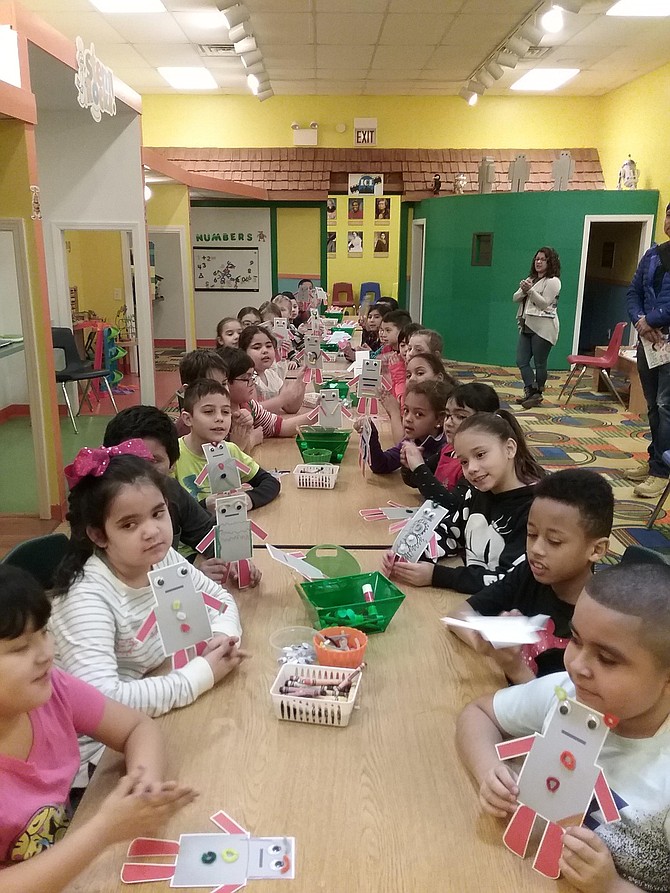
column 587, row 863
column 255, row 575
column 214, row 568
column 390, row 403
column 242, row 418
column 133, row 811
column 224, row 655
column 411, row 455
column 358, row 425
column 498, row 792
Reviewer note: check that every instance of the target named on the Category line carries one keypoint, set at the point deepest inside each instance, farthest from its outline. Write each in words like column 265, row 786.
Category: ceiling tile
column 412, row 57
column 202, row 27
column 223, row 63
column 167, row 54
column 485, row 31
column 339, row 74
column 402, row 74
column 345, row 88
column 294, row 88
column 435, row 6
column 340, row 6
column 140, row 78
column 275, row 53
column 343, row 56
column 285, row 26
column 291, row 74
column 349, row 28
column 157, row 28
column 255, row 6
column 382, row 88
column 120, row 55
column 455, row 62
column 418, row 28
column 91, row 26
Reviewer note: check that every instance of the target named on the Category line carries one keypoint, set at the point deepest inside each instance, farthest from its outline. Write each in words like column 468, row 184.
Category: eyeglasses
column 247, row 379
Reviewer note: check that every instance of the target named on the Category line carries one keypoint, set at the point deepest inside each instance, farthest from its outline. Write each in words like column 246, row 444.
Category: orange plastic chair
column 603, row 364
column 343, row 290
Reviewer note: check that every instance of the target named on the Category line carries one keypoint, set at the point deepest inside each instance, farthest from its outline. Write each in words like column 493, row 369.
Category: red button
column 568, row 760
column 185, row 628
column 553, row 784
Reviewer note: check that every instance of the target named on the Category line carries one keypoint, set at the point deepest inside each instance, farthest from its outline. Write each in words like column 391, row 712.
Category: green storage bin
column 334, row 314
column 332, row 560
column 314, row 437
column 329, row 348
column 316, row 456
column 340, row 602
column 342, row 387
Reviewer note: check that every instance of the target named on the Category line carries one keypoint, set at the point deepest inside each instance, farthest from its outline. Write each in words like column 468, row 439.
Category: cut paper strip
column 502, row 632
column 296, row 564
column 226, row 823
column 143, row 872
column 148, row 846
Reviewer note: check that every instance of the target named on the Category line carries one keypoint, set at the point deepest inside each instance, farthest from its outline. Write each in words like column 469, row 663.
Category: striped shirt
column 267, row 421
column 94, row 626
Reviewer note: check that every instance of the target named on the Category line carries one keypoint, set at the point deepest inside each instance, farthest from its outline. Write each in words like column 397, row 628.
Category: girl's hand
column 390, row 403
column 214, row 568
column 420, row 574
column 411, row 455
column 587, row 863
column 132, row 811
column 498, row 792
column 255, row 575
column 358, row 425
column 224, row 655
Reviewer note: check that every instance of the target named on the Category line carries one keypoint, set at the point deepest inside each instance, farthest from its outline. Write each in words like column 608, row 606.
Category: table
column 627, row 365
column 382, row 805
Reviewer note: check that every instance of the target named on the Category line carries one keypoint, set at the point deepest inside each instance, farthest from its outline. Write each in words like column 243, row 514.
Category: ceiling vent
column 217, row 50
column 537, row 52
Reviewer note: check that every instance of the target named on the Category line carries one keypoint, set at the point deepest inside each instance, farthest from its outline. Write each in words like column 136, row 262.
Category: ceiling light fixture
column 246, row 45
column 485, row 78
column 234, row 14
column 256, row 68
column 468, row 95
column 571, row 5
column 545, row 79
column 518, row 45
column 188, row 78
column 496, row 71
column 508, row 60
column 475, row 87
column 262, row 95
column 239, row 32
column 249, row 59
column 658, row 8
column 128, row 6
column 147, row 193
column 552, row 20
column 531, row 32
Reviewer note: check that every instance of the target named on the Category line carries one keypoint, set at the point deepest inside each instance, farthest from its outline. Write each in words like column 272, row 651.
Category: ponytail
column 503, row 424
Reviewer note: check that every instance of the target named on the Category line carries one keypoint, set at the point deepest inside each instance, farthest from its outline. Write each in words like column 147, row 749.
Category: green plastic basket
column 342, row 387
column 333, row 314
column 340, row 602
column 316, row 456
column 329, row 348
column 333, row 561
column 314, row 437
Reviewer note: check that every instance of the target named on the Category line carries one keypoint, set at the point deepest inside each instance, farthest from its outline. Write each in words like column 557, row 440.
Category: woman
column 537, row 297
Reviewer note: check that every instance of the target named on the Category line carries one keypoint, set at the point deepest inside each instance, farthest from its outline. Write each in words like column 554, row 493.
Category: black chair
column 77, row 370
column 39, row 556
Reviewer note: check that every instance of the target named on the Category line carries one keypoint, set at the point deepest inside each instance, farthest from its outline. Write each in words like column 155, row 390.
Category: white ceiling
column 416, row 47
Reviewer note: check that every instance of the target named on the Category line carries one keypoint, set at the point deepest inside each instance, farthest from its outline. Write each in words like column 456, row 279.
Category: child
column 269, row 311
column 241, row 383
column 392, row 324
column 120, row 530
column 424, row 367
column 289, row 310
column 425, row 341
column 272, row 391
column 207, row 415
column 42, row 711
column 249, row 316
column 464, row 401
column 423, row 418
column 370, row 335
column 228, row 333
column 190, row 521
column 569, row 523
column 618, row 662
column 487, row 516
column 403, row 340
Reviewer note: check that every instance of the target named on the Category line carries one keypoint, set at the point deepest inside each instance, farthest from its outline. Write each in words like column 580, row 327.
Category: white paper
column 296, row 564
column 656, row 354
column 502, row 632
column 357, row 366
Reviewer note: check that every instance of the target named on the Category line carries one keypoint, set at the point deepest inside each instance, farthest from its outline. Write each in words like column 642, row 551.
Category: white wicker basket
column 324, row 711
column 316, row 477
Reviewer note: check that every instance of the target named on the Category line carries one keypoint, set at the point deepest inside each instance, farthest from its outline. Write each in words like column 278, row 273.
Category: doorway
column 416, row 276
column 611, row 249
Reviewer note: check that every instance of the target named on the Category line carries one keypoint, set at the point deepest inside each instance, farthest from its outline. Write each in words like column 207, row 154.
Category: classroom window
column 482, row 249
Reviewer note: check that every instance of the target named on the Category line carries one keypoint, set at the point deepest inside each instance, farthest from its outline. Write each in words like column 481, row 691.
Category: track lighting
column 531, row 32
column 495, row 70
column 518, row 45
column 508, row 60
column 468, row 95
column 234, row 14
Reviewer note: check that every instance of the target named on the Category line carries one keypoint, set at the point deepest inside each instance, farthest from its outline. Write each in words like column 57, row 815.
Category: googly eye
column 223, row 511
column 159, row 581
column 277, row 864
column 275, row 848
column 183, row 571
column 564, row 708
column 592, row 723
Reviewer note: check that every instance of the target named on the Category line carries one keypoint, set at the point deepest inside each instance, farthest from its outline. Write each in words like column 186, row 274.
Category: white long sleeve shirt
column 94, row 626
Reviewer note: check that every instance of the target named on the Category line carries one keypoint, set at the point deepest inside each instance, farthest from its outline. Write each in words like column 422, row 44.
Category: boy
column 618, row 662
column 207, row 416
column 190, row 521
column 569, row 523
column 425, row 341
column 392, row 325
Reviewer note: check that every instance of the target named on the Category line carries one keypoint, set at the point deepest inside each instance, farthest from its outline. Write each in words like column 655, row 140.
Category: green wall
column 472, row 306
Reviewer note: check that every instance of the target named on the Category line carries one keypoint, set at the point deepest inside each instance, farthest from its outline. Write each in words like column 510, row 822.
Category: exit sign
column 365, row 131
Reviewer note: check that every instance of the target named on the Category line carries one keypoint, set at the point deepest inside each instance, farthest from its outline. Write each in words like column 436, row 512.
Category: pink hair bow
column 95, row 462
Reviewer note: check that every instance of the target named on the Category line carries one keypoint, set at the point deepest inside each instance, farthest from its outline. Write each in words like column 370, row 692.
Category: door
column 416, row 277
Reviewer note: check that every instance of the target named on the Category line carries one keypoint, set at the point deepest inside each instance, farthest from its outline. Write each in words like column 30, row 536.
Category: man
column 648, row 302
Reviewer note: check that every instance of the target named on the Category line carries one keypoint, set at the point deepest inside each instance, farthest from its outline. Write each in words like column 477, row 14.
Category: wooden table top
column 382, row 805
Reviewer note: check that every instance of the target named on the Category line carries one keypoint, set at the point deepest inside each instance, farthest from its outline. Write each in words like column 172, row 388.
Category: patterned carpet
column 591, row 432
column 167, row 358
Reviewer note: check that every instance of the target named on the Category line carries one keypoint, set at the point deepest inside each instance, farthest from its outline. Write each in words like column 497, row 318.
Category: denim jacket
column 644, row 298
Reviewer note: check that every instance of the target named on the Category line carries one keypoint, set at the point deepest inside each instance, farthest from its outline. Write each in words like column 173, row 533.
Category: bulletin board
column 226, row 269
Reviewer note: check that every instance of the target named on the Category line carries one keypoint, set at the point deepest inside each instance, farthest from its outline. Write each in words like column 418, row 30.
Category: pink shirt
column 34, row 793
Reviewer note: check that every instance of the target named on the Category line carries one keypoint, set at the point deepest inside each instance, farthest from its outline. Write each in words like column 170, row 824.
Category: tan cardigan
column 539, row 313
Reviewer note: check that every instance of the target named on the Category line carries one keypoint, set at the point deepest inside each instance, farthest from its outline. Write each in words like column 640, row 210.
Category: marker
column 368, row 593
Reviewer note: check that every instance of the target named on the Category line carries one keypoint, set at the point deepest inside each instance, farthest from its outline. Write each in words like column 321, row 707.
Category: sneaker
column 526, row 394
column 651, row 488
column 534, row 400
column 639, row 474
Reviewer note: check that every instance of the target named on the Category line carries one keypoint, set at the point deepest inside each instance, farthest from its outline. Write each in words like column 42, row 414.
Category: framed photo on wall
column 331, row 244
column 225, row 269
column 331, row 210
column 355, row 209
column 355, row 243
column 366, row 184
column 382, row 210
column 381, row 245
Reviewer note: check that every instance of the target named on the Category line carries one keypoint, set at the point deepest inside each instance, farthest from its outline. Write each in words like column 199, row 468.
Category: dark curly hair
column 553, row 263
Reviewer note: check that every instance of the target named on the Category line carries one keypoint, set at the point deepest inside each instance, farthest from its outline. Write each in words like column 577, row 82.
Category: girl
column 425, row 341
column 42, row 711
column 424, row 367
column 228, row 332
column 423, row 418
column 273, row 392
column 120, row 530
column 486, row 518
column 249, row 316
column 242, row 388
column 403, row 340
column 464, row 401
column 537, row 319
column 269, row 311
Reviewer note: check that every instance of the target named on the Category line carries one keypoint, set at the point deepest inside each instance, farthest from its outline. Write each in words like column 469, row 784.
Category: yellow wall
column 635, row 123
column 298, row 243
column 365, row 267
column 403, row 121
column 95, row 266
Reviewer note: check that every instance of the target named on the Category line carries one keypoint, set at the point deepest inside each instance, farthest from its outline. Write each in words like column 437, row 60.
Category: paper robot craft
column 364, row 445
column 314, row 357
column 223, row 862
column 558, row 779
column 331, row 410
column 418, row 533
column 369, row 384
column 222, row 469
column 232, row 536
column 398, row 514
column 281, row 332
column 180, row 614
